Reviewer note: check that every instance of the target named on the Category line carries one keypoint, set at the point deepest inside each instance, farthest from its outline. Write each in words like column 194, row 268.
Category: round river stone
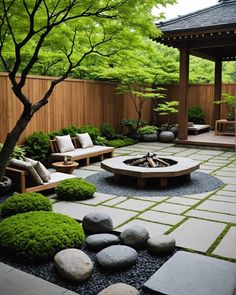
column 100, row 241
column 73, row 264
column 135, row 236
column 119, row 289
column 117, row 257
column 161, row 244
column 97, row 222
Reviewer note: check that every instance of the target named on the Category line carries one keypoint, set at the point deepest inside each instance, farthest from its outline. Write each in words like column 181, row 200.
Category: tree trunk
column 12, row 139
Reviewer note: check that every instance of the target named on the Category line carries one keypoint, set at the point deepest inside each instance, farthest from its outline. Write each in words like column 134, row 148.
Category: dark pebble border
column 199, row 183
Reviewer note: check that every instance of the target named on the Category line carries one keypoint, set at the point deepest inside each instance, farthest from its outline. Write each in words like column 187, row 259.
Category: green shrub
column 37, row 146
column 107, row 130
column 94, row 132
column 75, row 189
column 116, row 143
column 71, row 130
column 100, row 140
column 147, row 130
column 18, row 152
column 25, row 202
column 39, row 235
column 196, row 115
column 52, row 134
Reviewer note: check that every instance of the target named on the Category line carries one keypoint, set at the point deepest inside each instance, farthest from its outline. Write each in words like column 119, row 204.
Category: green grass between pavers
column 176, row 225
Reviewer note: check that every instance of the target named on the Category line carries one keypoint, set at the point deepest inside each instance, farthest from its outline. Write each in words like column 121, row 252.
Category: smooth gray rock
column 166, row 136
column 73, row 264
column 119, row 289
column 189, row 273
column 135, row 236
column 161, row 244
column 100, row 241
column 117, row 257
column 97, row 222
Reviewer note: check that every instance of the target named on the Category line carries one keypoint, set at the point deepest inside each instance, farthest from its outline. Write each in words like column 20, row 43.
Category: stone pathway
column 205, row 223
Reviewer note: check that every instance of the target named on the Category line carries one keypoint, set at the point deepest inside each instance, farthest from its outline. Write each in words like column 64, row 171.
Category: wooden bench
column 22, row 182
column 80, row 153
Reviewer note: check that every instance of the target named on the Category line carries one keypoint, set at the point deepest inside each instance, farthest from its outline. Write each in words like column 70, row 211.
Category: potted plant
column 230, row 101
column 148, row 133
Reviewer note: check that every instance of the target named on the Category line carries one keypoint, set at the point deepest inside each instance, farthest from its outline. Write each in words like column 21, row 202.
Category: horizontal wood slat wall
column 82, row 102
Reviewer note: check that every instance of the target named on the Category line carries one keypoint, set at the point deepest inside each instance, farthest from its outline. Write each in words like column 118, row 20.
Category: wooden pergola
column 208, row 33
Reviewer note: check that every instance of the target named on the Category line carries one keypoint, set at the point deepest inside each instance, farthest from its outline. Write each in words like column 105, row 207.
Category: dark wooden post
column 217, row 89
column 183, row 88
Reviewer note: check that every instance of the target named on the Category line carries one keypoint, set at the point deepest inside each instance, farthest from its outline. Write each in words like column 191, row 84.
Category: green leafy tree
column 31, row 31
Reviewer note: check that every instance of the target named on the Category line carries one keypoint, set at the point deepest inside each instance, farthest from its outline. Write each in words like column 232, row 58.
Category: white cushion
column 64, row 143
column 85, row 140
column 40, row 168
column 28, row 167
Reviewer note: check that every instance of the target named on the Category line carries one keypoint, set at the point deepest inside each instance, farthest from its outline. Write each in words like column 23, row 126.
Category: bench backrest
column 54, row 146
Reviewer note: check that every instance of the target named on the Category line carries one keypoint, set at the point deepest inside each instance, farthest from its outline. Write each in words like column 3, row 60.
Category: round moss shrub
column 39, row 235
column 75, row 189
column 25, row 202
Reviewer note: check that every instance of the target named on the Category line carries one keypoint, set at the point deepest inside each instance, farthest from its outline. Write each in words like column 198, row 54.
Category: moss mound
column 25, row 202
column 39, row 235
column 116, row 143
column 75, row 189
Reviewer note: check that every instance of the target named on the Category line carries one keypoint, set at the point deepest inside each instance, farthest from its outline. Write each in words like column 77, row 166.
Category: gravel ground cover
column 199, row 183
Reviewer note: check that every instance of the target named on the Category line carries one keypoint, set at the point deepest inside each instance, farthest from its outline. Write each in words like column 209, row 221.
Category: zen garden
column 117, row 148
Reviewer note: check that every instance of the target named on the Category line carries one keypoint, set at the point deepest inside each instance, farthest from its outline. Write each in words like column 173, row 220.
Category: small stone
column 135, row 236
column 117, row 257
column 73, row 264
column 97, row 222
column 119, row 289
column 100, row 241
column 161, row 244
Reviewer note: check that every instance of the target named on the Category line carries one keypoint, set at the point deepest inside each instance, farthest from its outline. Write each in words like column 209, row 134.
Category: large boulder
column 97, row 222
column 73, row 265
column 117, row 257
column 119, row 289
column 161, row 244
column 135, row 236
column 100, row 241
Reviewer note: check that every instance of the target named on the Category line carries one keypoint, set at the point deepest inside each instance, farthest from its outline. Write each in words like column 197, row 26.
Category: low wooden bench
column 23, row 184
column 80, row 153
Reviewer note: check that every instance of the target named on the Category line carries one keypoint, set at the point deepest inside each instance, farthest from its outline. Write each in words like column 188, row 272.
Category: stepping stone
column 188, row 273
column 97, row 222
column 135, row 236
column 119, row 289
column 100, row 241
column 73, row 264
column 227, row 246
column 117, row 257
column 161, row 244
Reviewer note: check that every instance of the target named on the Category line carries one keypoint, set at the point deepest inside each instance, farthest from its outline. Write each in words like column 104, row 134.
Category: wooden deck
column 210, row 139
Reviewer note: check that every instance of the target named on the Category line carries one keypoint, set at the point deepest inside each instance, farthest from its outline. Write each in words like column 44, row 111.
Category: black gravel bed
column 135, row 276
column 199, row 183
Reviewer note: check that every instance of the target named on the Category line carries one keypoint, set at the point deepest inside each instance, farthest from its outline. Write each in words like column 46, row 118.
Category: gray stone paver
column 182, row 201
column 153, row 228
column 227, row 246
column 197, row 234
column 153, row 199
column 226, row 193
column 209, row 152
column 83, row 173
column 216, row 206
column 161, row 217
column 171, row 208
column 200, row 157
column 230, row 187
column 224, row 173
column 211, row 216
column 223, row 198
column 115, row 201
column 198, row 196
column 97, row 199
column 134, row 204
column 228, row 180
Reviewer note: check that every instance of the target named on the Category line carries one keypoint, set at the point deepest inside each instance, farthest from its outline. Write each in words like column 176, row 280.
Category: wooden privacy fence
column 83, row 102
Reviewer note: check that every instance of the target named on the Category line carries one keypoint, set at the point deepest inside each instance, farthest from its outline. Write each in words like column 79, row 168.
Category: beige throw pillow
column 85, row 140
column 40, row 168
column 64, row 143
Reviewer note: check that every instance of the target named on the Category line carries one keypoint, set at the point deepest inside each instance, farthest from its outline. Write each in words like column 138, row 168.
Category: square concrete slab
column 183, row 201
column 153, row 228
column 161, row 217
column 211, row 216
column 220, row 207
column 135, row 204
column 198, row 196
column 115, row 201
column 4, row 268
column 171, row 208
column 97, row 199
column 223, row 198
column 227, row 246
column 227, row 193
column 197, row 234
column 193, row 274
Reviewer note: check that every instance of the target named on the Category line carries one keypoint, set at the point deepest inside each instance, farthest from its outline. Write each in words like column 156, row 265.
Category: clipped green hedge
column 93, row 131
column 75, row 189
column 116, row 143
column 25, row 202
column 39, row 235
column 37, row 146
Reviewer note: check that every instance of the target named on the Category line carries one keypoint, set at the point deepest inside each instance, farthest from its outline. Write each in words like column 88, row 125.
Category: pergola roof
column 209, row 33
